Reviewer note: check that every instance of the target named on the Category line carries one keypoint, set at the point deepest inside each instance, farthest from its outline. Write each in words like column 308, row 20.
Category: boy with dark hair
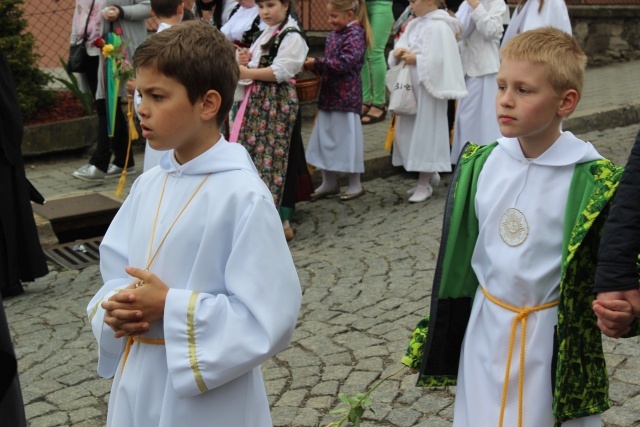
column 215, row 292
column 168, row 10
column 511, row 316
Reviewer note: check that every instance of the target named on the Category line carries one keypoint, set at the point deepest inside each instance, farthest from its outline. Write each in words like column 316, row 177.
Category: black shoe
column 12, row 291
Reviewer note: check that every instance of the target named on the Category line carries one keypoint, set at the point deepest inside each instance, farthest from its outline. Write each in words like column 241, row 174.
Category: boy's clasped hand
column 132, row 310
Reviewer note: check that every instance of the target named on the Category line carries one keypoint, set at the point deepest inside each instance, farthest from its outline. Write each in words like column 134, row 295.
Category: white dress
column 421, row 141
column 233, row 300
column 479, row 44
column 522, row 276
column 336, row 142
column 554, row 13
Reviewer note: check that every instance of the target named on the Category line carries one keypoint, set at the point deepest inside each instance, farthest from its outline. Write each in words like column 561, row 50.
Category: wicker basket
column 308, row 88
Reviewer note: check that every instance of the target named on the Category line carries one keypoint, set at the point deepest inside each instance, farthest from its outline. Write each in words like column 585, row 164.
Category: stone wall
column 607, row 33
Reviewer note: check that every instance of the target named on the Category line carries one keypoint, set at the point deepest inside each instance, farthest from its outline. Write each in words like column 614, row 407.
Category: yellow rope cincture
column 131, row 340
column 191, row 338
column 521, row 316
column 152, row 256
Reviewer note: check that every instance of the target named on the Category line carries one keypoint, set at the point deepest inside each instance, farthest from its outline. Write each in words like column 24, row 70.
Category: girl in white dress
column 479, row 44
column 428, row 47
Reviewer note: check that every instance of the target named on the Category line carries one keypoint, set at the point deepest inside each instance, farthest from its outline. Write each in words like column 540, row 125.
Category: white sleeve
column 113, row 260
column 489, row 21
column 290, row 58
column 401, row 43
column 213, row 339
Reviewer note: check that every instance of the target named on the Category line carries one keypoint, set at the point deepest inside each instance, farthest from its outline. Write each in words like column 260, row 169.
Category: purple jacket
column 340, row 68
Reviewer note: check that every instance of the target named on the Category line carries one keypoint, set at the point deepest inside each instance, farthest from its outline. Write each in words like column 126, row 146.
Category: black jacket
column 620, row 244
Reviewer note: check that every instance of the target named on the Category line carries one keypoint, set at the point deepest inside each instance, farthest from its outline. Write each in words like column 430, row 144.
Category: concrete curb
column 74, row 134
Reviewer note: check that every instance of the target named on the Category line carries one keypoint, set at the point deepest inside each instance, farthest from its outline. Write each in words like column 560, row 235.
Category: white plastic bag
column 403, row 100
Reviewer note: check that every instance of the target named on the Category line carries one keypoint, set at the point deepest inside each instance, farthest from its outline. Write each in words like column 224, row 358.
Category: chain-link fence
column 50, row 22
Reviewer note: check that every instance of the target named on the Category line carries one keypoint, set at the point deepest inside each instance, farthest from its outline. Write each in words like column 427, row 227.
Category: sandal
column 366, row 106
column 375, row 119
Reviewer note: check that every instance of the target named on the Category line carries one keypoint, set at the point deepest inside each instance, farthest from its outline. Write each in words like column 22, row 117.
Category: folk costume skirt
column 266, row 130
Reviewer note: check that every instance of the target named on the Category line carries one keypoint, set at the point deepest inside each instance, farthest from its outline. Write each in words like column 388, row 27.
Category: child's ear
column 210, row 105
column 568, row 102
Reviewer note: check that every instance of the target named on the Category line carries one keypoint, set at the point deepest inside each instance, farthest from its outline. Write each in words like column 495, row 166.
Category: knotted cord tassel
column 388, row 142
column 133, row 134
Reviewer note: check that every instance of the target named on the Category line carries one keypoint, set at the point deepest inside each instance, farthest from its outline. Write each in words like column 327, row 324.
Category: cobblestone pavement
column 365, row 266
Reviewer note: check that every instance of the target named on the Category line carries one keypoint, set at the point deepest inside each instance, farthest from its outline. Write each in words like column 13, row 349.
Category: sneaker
column 89, row 172
column 114, row 171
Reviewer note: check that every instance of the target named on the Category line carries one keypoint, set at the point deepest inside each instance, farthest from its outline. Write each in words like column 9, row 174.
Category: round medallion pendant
column 513, row 227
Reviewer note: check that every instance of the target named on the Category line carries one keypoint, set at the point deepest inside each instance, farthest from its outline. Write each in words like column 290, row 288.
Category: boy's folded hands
column 132, row 310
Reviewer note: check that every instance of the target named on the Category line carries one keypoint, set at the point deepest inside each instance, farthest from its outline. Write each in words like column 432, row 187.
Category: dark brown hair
column 165, row 8
column 198, row 56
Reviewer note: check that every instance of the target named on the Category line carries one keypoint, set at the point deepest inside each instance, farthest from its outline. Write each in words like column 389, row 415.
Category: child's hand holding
column 614, row 313
column 243, row 56
column 399, row 52
column 309, row 64
column 131, row 311
column 409, row 58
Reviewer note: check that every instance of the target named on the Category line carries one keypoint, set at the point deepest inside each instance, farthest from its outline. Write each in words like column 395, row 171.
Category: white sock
column 354, row 184
column 285, row 223
column 424, row 178
column 329, row 182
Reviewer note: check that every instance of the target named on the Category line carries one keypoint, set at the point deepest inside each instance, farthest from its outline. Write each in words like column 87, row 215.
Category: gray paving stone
column 52, row 420
column 366, row 269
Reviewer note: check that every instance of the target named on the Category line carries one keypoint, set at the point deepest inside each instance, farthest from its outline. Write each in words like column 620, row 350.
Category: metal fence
column 50, row 22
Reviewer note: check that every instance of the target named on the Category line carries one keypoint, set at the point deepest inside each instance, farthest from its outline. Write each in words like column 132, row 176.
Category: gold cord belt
column 521, row 316
column 130, row 342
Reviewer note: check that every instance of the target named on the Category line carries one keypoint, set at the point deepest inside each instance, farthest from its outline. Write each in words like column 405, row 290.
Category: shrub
column 18, row 45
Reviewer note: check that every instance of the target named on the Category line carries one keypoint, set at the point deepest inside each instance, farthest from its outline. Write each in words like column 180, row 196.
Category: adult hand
column 614, row 313
column 110, row 13
column 631, row 295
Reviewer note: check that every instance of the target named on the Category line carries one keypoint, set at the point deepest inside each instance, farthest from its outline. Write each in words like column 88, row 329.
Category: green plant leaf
column 339, row 411
column 86, row 99
column 344, row 398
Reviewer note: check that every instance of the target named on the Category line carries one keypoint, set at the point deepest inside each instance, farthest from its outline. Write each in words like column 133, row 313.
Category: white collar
column 566, row 150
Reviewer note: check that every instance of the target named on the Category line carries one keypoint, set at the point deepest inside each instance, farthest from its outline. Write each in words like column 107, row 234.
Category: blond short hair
column 558, row 51
column 198, row 56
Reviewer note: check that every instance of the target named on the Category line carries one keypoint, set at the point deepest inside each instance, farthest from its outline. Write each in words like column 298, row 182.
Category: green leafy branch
column 86, row 99
column 357, row 404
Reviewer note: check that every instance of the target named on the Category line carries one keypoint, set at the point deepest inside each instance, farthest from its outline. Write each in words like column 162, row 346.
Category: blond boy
column 511, row 318
column 199, row 285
